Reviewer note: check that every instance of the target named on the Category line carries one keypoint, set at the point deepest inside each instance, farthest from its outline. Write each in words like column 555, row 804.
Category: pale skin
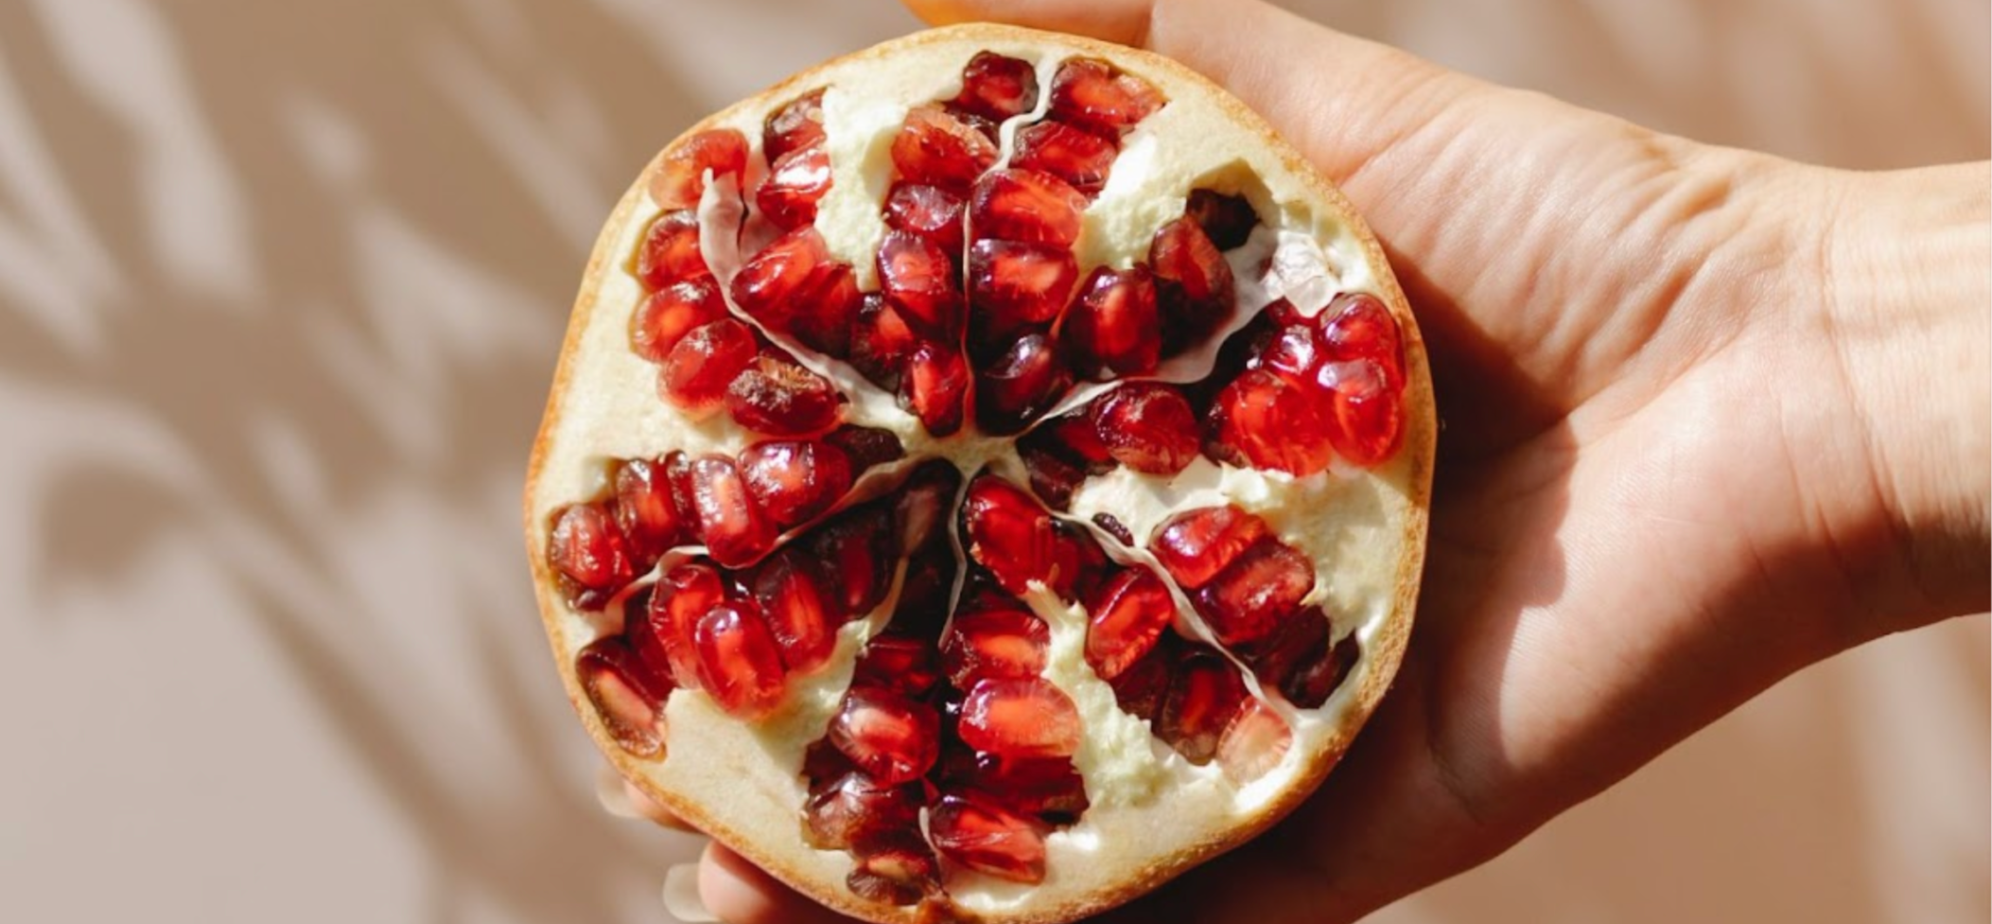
column 1710, row 417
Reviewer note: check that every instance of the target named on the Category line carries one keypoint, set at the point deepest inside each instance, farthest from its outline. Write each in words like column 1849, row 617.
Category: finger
column 738, row 892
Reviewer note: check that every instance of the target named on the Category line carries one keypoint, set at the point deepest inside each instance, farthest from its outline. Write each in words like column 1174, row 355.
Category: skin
column 1710, row 417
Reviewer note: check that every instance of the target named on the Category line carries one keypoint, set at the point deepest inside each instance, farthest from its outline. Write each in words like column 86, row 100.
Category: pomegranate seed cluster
column 933, row 553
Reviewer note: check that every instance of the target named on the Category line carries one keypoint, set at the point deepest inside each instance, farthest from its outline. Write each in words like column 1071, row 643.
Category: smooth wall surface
column 281, row 285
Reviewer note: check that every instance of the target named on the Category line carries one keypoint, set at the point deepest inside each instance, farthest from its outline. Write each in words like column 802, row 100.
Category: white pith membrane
column 1151, row 811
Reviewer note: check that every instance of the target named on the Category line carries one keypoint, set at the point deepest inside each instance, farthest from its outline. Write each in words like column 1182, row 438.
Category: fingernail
column 609, row 791
column 681, row 895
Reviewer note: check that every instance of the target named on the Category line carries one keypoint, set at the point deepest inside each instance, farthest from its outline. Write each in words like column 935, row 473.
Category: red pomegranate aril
column 1356, row 325
column 1094, row 96
column 776, row 282
column 1078, row 564
column 1019, row 717
column 795, row 480
column 1195, row 291
column 1053, row 476
column 1262, row 421
column 866, row 447
column 855, row 810
column 892, row 738
column 1081, row 436
column 1008, row 641
column 1007, row 532
column 1254, row 743
column 1140, row 687
column 799, row 124
column 1080, row 158
column 923, row 504
column 928, row 211
column 794, row 594
column 739, row 663
column 775, row 396
column 918, row 277
column 899, row 871
column 821, row 316
column 923, row 597
column 1112, row 328
column 997, row 87
column 697, row 371
column 1227, row 220
column 1147, row 426
column 670, row 251
column 1014, row 285
column 1022, row 384
column 589, row 553
column 1202, row 699
column 1249, row 599
column 881, row 342
column 682, row 177
column 668, row 314
column 859, row 550
column 937, row 149
column 684, row 595
column 988, row 838
column 1025, row 205
column 795, row 183
column 730, row 522
column 1293, row 352
column 1128, row 614
column 1367, row 412
column 1114, row 527
column 625, row 693
column 1196, row 544
column 649, row 520
column 901, row 662
column 934, row 386
column 1049, row 788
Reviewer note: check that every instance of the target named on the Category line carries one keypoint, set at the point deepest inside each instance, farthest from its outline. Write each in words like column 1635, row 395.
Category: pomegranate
column 986, row 476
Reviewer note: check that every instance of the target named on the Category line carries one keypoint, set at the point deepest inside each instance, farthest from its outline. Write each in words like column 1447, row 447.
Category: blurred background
column 281, row 286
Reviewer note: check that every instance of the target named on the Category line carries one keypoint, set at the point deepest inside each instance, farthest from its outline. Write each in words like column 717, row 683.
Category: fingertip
column 738, row 892
column 1121, row 21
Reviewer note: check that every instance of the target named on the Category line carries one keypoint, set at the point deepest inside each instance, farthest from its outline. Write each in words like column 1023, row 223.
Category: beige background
column 280, row 287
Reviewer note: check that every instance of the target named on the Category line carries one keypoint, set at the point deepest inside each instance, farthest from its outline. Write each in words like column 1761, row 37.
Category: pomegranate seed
column 1140, row 687
column 997, row 87
column 1080, row 158
column 1008, row 532
column 1201, row 701
column 898, row 871
column 773, row 283
column 938, row 149
column 795, row 183
column 670, row 251
column 924, row 502
column 866, row 446
column 918, row 277
column 1078, row 434
column 1019, row 717
column 1253, row 594
column 892, row 738
column 1298, row 661
column 794, row 481
column 1094, row 96
column 1004, row 641
column 795, row 599
column 856, row 810
column 1049, row 788
column 589, row 554
column 934, row 386
column 667, row 314
column 649, row 521
column 1254, row 743
column 1114, row 527
column 697, row 371
column 902, row 662
column 1356, row 326
column 1078, row 562
column 730, row 523
column 1293, row 353
column 1262, row 421
column 774, row 395
column 1196, row 544
column 1195, row 292
column 1025, row 382
column 928, row 211
column 625, row 693
column 1147, row 426
column 680, row 179
column 986, row 837
column 798, row 124
column 1368, row 418
column 1112, row 328
column 1015, row 285
column 822, row 314
column 1227, row 220
column 1053, row 476
column 1128, row 614
column 881, row 342
column 1027, row 206
column 738, row 661
column 923, row 597
column 857, row 548
column 684, row 595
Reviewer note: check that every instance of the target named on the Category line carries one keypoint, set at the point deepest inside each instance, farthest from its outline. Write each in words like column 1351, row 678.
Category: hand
column 1710, row 417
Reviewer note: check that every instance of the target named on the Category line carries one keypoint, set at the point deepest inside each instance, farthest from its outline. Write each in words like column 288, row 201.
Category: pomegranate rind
column 719, row 777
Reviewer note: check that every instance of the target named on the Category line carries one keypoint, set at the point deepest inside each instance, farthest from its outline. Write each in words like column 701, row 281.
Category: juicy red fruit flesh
column 988, row 838
column 1264, row 585
column 795, row 480
column 670, row 251
column 1095, row 96
column 589, row 554
column 893, row 738
column 681, row 181
column 778, row 397
column 1007, row 532
column 1147, row 426
column 1129, row 614
column 1112, row 328
column 698, row 370
column 937, row 149
column 730, row 523
column 1196, row 544
column 997, row 87
column 738, row 661
column 1019, row 717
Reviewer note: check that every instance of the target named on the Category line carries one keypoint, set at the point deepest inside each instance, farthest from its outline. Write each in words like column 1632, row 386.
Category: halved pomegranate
column 986, row 476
